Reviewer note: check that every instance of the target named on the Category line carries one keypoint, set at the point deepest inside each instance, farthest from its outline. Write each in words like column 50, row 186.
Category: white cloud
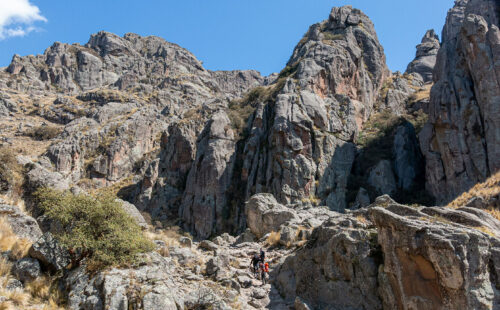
column 17, row 18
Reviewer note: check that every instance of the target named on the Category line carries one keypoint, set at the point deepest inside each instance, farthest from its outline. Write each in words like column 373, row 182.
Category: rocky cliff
column 461, row 140
column 302, row 163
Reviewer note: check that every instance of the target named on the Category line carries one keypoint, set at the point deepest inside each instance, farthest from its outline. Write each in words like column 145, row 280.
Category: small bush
column 44, row 132
column 102, row 96
column 332, row 37
column 97, row 227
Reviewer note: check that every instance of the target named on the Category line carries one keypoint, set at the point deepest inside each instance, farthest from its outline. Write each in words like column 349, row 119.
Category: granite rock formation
column 461, row 142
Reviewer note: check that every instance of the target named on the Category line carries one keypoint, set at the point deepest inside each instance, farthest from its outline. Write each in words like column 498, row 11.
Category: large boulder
column 264, row 214
column 40, row 176
column 50, row 253
column 26, row 269
column 336, row 270
column 118, row 289
column 392, row 256
column 132, row 211
column 24, row 226
column 433, row 263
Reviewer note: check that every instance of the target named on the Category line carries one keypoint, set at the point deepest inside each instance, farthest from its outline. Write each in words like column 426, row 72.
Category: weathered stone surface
column 39, row 176
column 50, row 253
column 435, row 265
column 119, row 289
column 409, row 258
column 24, row 226
column 425, row 58
column 461, row 141
column 382, row 178
column 337, row 269
column 166, row 177
column 131, row 210
column 298, row 146
column 236, row 82
column 264, row 214
column 205, row 201
column 362, row 199
column 408, row 160
column 26, row 269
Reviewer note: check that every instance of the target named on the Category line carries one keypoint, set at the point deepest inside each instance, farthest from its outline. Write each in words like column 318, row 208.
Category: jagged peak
column 430, row 36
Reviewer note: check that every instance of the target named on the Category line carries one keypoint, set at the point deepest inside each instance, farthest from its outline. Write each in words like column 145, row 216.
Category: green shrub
column 332, row 37
column 96, row 226
column 44, row 132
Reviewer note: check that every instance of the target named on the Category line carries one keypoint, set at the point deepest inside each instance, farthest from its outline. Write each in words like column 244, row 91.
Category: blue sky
column 224, row 34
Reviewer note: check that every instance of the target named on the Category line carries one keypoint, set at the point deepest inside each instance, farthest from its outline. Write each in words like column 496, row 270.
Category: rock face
column 125, row 63
column 408, row 161
column 392, row 256
column 382, row 178
column 425, row 58
column 461, row 142
column 425, row 262
column 115, row 96
column 337, row 270
column 204, row 204
column 300, row 140
column 165, row 179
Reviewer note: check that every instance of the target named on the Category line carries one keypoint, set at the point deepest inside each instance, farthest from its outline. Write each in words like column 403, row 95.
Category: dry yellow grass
column 41, row 292
column 487, row 189
column 10, row 242
column 5, row 267
column 170, row 236
column 7, row 305
column 273, row 239
column 422, row 93
column 486, row 230
column 362, row 219
column 494, row 212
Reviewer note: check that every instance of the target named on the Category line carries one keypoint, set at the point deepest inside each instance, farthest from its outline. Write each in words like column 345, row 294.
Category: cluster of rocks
column 386, row 255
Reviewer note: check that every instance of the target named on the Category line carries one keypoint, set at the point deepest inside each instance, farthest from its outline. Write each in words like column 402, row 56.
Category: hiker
column 255, row 262
column 262, row 255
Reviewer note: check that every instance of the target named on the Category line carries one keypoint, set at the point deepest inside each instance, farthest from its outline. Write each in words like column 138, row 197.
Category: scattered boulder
column 50, row 253
column 208, row 245
column 26, row 269
column 131, row 210
column 264, row 214
column 24, row 226
column 185, row 241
